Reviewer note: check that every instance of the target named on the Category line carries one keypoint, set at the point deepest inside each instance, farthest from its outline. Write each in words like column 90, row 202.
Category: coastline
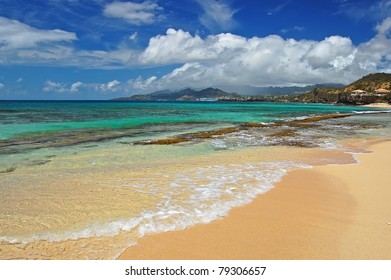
column 326, row 212
column 377, row 105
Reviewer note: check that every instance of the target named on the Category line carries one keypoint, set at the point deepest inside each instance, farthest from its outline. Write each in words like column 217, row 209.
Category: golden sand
column 379, row 105
column 327, row 212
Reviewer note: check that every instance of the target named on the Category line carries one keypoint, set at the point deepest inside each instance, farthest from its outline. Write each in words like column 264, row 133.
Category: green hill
column 370, row 83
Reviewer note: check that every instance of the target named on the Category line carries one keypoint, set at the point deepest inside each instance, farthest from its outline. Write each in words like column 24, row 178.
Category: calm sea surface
column 77, row 180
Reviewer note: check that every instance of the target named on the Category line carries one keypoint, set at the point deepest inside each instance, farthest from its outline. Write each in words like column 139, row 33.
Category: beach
column 378, row 105
column 325, row 212
column 251, row 182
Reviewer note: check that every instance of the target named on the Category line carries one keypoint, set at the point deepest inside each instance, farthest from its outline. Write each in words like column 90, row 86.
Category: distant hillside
column 321, row 93
column 275, row 91
column 367, row 83
column 187, row 94
column 370, row 82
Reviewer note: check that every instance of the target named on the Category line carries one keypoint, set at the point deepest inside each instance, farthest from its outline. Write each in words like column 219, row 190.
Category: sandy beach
column 378, row 105
column 326, row 212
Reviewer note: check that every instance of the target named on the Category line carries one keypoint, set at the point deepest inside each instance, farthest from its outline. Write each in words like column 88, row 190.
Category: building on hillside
column 382, row 91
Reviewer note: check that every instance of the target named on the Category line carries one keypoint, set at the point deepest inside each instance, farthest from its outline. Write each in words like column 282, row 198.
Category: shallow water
column 74, row 185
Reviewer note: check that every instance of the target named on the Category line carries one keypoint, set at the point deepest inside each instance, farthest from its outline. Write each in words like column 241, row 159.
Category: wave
column 211, row 192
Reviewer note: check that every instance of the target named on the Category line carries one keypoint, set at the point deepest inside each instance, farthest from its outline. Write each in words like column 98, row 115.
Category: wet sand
column 326, row 212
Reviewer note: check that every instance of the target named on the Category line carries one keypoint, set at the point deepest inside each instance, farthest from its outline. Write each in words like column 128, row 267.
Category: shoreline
column 326, row 212
column 377, row 105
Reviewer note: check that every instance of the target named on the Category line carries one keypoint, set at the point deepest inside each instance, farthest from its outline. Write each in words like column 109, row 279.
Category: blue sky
column 97, row 49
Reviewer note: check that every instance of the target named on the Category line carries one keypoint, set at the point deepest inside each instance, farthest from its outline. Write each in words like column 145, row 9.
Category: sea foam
column 195, row 196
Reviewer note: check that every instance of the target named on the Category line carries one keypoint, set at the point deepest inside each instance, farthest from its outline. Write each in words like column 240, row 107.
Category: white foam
column 371, row 112
column 211, row 192
column 219, row 144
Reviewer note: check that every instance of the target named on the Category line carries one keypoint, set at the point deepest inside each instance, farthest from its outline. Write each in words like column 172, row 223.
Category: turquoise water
column 76, row 183
column 18, row 118
column 26, row 126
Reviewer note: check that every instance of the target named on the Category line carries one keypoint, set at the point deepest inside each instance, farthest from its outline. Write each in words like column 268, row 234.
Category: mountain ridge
column 186, row 94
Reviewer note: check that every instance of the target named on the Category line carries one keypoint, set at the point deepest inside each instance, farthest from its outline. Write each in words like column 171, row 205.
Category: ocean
column 87, row 179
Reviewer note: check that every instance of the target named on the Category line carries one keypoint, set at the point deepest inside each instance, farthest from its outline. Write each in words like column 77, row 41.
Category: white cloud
column 141, row 84
column 110, row 86
column 19, row 80
column 217, row 15
column 384, row 27
column 24, row 44
column 17, row 35
column 75, row 86
column 227, row 59
column 133, row 37
column 59, row 87
column 325, row 52
column 51, row 86
column 175, row 46
column 221, row 59
column 1, row 85
column 376, row 53
column 146, row 12
column 113, row 84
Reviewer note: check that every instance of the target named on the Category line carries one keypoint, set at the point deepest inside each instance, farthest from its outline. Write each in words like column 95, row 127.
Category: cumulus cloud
column 220, row 59
column 110, row 86
column 227, row 59
column 58, row 87
column 17, row 35
column 175, row 47
column 146, row 12
column 217, row 15
column 1, row 85
column 75, row 86
column 51, row 86
column 113, row 84
column 376, row 53
column 141, row 84
column 324, row 53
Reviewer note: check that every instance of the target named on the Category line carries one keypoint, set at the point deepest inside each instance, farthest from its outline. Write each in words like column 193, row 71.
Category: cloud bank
column 228, row 59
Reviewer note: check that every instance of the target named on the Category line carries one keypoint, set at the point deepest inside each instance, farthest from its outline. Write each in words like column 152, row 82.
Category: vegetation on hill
column 344, row 95
column 370, row 83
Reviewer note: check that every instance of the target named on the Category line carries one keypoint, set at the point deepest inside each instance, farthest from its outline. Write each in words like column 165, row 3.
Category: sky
column 98, row 49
